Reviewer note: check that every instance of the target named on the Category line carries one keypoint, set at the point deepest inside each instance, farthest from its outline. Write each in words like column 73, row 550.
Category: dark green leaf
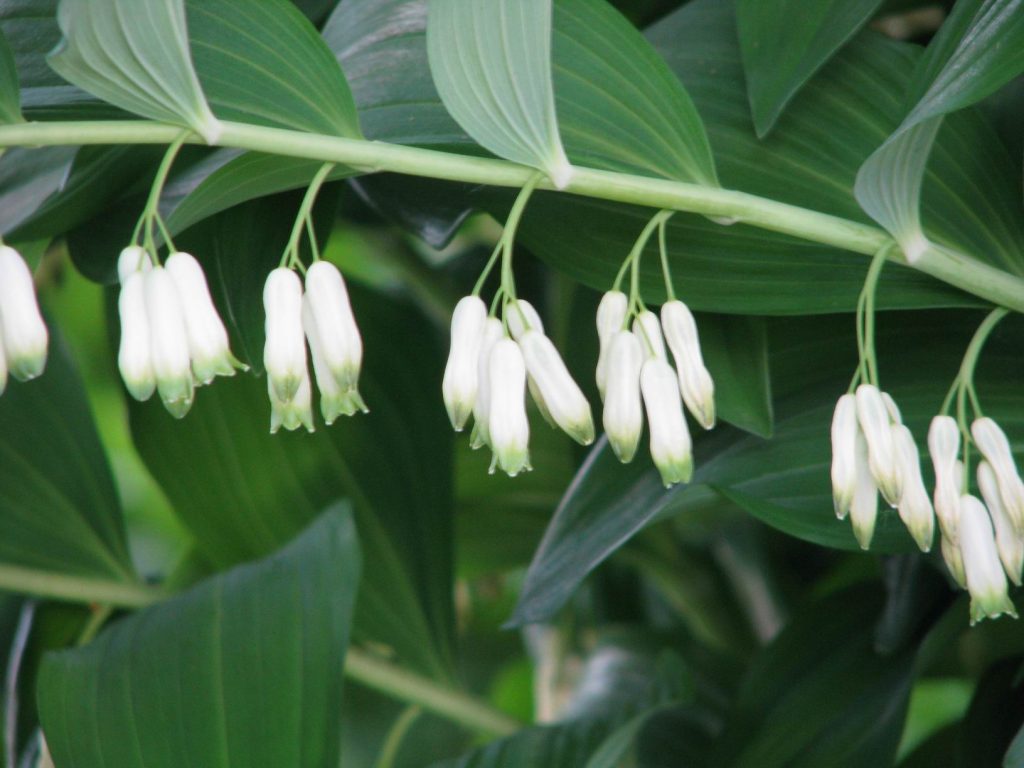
column 736, row 354
column 994, row 716
column 244, row 669
column 27, row 178
column 556, row 745
column 10, row 99
column 785, row 42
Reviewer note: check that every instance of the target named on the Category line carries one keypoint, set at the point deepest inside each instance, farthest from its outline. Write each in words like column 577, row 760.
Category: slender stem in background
column 79, row 589
column 956, row 269
column 397, row 734
column 18, row 646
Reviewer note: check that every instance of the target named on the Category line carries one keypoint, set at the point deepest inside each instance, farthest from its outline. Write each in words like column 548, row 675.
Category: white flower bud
column 864, row 506
column 944, row 446
column 340, row 342
column 284, row 354
column 207, row 338
column 694, row 380
column 611, row 317
column 334, row 401
column 647, row 328
column 1008, row 542
column 522, row 317
column 995, row 447
column 915, row 507
column 134, row 359
column 24, row 333
column 623, row 409
column 493, row 331
column 562, row 396
column 461, row 375
column 844, row 454
column 507, row 424
column 874, row 423
column 954, row 560
column 985, row 578
column 295, row 412
column 670, row 438
column 892, row 408
column 133, row 259
column 168, row 342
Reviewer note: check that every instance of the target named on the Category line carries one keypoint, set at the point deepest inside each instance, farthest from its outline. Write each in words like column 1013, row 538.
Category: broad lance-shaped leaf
column 134, row 54
column 244, row 669
column 10, row 101
column 785, row 42
column 491, row 62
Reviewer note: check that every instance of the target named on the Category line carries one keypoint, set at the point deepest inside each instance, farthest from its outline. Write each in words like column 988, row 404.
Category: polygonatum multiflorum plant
column 506, row 383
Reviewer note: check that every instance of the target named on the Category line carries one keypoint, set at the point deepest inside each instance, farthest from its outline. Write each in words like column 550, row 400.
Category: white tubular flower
column 461, row 374
column 295, row 412
column 507, row 424
column 623, row 409
column 133, row 259
column 522, row 317
column 670, row 438
column 892, row 408
column 134, row 358
column 648, row 329
column 562, row 396
column 284, row 354
column 340, row 342
column 611, row 316
column 944, row 446
column 985, row 578
column 334, row 401
column 24, row 333
column 1009, row 544
column 493, row 331
column 207, row 338
column 995, row 447
column 864, row 506
column 954, row 561
column 168, row 342
column 915, row 507
column 694, row 380
column 844, row 454
column 875, row 423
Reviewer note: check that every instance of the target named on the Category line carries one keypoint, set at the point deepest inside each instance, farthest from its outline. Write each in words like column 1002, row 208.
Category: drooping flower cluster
column 491, row 364
column 322, row 317
column 172, row 338
column 633, row 365
column 23, row 334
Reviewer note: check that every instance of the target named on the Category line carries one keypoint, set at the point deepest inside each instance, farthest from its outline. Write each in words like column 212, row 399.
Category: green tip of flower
column 864, row 534
column 678, row 471
column 178, row 407
column 582, row 432
column 991, row 607
column 841, row 504
column 511, row 461
column 28, row 367
column 625, row 450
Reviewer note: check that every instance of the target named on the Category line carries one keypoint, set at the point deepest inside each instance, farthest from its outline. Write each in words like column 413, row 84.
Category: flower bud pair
column 23, row 334
column 982, row 567
column 994, row 446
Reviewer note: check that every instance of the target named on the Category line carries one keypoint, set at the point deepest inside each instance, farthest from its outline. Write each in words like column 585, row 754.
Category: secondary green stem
column 956, row 269
column 302, row 218
column 57, row 586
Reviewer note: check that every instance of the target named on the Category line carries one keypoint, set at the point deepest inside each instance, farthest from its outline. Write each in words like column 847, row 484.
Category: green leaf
column 993, row 717
column 736, row 355
column 59, row 510
column 27, row 178
column 134, row 54
column 556, row 745
column 785, row 42
column 264, row 63
column 491, row 63
column 10, row 98
column 244, row 669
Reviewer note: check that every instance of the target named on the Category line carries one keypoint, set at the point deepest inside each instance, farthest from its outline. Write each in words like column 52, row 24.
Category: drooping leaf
column 243, row 669
column 785, row 42
column 10, row 100
column 27, row 178
column 134, row 54
column 491, row 63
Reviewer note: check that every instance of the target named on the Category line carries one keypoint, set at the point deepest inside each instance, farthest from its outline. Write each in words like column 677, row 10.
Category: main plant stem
column 959, row 270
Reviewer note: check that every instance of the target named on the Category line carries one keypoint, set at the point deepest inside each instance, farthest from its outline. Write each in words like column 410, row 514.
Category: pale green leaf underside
column 135, row 55
column 491, row 63
column 244, row 669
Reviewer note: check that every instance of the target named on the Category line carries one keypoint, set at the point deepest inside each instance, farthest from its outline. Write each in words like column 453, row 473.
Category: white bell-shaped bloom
column 944, row 447
column 564, row 400
column 875, row 422
column 340, row 342
column 521, row 317
column 647, row 328
column 623, row 408
column 493, row 331
column 507, row 424
column 671, row 448
column 915, row 506
column 25, row 337
column 334, row 401
column 986, row 580
column 460, row 386
column 864, row 505
column 695, row 382
column 207, row 338
column 954, row 560
column 132, row 259
column 844, row 454
column 295, row 412
column 168, row 342
column 1009, row 544
column 994, row 446
column 611, row 318
column 284, row 354
column 134, row 359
